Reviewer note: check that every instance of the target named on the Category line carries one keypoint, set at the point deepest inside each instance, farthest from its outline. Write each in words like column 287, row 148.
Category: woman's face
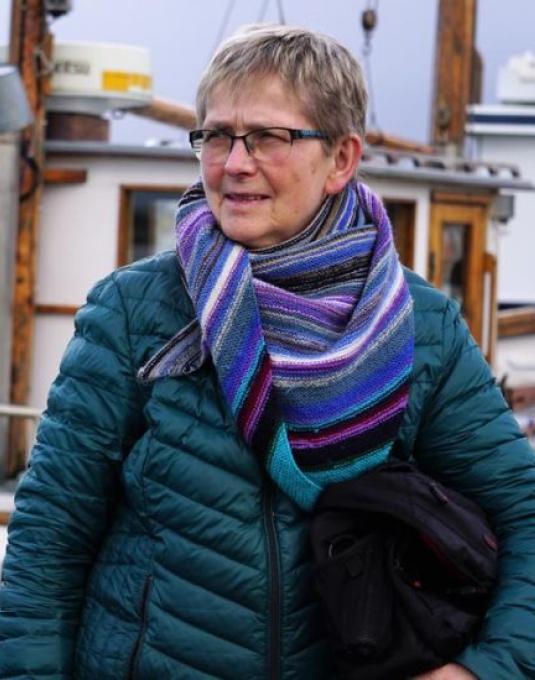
column 260, row 204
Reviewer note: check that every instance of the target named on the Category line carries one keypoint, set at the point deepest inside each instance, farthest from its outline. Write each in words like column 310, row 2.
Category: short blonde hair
column 323, row 74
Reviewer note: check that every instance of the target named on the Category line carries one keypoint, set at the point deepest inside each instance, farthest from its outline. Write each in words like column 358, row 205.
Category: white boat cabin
column 104, row 206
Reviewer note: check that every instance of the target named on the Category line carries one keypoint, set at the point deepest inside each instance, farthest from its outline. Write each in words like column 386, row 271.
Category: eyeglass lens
column 271, row 145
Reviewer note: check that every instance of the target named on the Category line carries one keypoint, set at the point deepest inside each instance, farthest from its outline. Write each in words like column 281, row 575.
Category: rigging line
column 373, row 123
column 369, row 24
column 262, row 12
column 282, row 20
column 224, row 24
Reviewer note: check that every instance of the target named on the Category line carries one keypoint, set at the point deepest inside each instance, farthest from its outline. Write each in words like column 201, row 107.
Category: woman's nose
column 239, row 159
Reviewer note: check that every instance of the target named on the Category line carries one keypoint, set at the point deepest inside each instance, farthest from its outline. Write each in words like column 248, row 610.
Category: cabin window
column 146, row 221
column 458, row 262
column 402, row 216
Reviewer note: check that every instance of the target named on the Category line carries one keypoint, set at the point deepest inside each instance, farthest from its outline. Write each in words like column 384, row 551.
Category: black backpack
column 404, row 569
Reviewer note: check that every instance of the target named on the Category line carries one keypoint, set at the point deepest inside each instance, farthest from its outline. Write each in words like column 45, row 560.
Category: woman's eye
column 211, row 135
column 268, row 136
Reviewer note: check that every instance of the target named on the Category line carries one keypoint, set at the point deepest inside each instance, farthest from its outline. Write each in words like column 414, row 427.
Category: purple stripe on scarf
column 337, row 288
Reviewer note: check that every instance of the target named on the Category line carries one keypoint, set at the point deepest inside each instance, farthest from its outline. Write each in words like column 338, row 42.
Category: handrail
column 18, row 411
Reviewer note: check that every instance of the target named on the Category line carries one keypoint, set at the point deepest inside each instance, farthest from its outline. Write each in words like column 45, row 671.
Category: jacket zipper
column 137, row 647
column 274, row 581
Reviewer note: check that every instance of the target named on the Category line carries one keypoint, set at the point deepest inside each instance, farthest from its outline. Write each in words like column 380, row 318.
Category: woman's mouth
column 245, row 198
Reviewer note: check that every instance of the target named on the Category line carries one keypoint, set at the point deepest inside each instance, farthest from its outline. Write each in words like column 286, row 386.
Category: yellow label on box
column 121, row 81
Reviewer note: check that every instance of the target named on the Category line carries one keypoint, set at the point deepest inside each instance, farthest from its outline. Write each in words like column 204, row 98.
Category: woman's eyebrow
column 229, row 127
column 217, row 125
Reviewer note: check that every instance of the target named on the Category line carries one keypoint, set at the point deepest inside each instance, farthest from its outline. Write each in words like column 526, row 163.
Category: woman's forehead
column 264, row 100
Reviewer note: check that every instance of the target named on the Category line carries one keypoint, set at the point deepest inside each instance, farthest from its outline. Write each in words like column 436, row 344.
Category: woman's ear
column 346, row 157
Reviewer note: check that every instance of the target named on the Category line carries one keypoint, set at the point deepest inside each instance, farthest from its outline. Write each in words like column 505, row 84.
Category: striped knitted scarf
column 312, row 340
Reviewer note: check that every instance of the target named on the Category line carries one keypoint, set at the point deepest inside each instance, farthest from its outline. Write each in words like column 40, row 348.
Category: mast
column 457, row 71
column 30, row 50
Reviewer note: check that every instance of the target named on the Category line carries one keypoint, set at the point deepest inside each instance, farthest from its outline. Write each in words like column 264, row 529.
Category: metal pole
column 9, row 192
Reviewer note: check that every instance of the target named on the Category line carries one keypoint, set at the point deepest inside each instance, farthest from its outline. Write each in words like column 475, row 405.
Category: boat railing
column 30, row 413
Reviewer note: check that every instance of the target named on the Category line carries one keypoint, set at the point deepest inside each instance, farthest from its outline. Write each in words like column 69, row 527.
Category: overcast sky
column 181, row 35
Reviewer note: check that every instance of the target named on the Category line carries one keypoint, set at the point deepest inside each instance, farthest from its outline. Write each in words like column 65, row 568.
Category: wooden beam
column 30, row 50
column 57, row 310
column 455, row 65
column 64, row 176
column 513, row 322
column 178, row 115
column 378, row 138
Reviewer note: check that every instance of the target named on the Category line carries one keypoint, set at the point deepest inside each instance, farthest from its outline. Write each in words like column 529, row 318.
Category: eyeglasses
column 269, row 145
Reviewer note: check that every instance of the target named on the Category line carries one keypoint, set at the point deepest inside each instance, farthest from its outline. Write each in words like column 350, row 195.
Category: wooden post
column 31, row 51
column 455, row 63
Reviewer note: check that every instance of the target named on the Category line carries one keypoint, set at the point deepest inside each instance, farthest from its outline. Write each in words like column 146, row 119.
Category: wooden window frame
column 472, row 210
column 125, row 192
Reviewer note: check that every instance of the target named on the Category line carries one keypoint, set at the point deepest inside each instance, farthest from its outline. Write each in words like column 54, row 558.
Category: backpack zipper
column 272, row 549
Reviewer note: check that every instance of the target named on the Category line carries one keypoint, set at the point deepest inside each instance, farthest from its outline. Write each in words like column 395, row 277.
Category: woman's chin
column 246, row 237
column 248, row 232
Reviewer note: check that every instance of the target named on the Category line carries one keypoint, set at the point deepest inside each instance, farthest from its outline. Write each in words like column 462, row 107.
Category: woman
column 206, row 399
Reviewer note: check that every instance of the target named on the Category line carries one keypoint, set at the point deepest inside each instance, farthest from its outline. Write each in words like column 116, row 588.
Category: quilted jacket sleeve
column 470, row 440
column 64, row 501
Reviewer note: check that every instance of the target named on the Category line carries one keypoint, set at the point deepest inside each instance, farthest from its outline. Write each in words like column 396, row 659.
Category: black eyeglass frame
column 195, row 136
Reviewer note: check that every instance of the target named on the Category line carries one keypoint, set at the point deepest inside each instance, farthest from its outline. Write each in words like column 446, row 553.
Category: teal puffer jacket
column 147, row 543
